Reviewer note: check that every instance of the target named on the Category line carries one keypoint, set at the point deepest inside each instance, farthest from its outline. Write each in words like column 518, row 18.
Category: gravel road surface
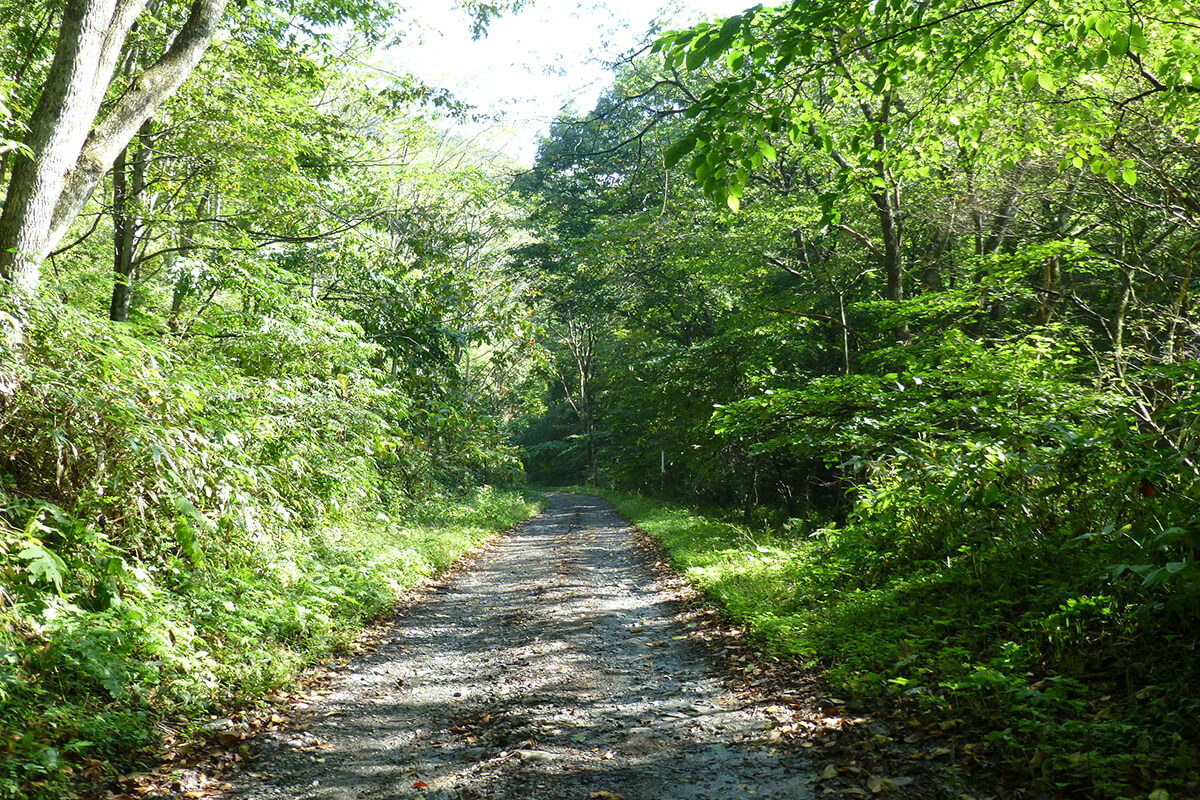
column 553, row 668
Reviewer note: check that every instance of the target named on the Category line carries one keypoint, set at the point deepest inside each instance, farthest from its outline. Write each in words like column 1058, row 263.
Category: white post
column 662, row 474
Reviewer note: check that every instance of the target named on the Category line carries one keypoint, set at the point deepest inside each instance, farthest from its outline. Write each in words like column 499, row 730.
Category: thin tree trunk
column 129, row 223
column 1118, row 325
column 1002, row 220
column 845, row 333
column 931, row 274
column 887, row 210
column 183, row 280
column 1180, row 306
column 1048, row 294
column 1052, row 270
column 118, row 308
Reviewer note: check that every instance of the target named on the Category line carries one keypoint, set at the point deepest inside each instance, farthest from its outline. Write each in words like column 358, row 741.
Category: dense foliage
column 254, row 395
column 910, row 285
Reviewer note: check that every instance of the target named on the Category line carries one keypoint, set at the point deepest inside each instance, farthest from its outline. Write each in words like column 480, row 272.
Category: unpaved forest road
column 547, row 671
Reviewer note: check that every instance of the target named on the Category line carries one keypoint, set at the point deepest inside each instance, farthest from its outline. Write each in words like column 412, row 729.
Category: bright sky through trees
column 552, row 54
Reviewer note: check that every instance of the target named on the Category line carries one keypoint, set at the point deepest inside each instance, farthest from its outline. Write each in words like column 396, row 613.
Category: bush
column 178, row 536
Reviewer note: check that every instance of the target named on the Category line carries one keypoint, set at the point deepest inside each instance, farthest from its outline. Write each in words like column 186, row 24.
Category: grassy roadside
column 83, row 692
column 1059, row 689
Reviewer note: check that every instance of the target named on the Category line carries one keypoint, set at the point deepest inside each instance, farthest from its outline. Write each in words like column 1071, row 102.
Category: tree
column 89, row 110
column 70, row 146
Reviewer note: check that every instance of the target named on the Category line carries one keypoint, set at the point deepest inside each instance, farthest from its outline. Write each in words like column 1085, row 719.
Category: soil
column 558, row 666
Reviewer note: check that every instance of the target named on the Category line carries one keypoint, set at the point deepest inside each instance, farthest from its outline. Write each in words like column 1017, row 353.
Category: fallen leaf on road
column 830, row 771
column 877, row 784
column 602, row 795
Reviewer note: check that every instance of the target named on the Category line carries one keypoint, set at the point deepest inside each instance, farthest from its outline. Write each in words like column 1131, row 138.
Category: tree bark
column 1052, row 270
column 118, row 308
column 891, row 227
column 1002, row 219
column 57, row 130
column 1179, row 306
column 931, row 273
column 128, row 201
column 887, row 209
column 70, row 151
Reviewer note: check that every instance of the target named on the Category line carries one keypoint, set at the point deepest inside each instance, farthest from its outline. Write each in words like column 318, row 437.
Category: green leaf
column 1046, row 81
column 1029, row 80
column 734, row 202
column 44, row 564
column 1129, row 176
column 678, row 150
column 1119, row 45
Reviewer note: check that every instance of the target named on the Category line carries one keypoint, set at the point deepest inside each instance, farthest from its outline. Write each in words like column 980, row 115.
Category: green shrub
column 178, row 536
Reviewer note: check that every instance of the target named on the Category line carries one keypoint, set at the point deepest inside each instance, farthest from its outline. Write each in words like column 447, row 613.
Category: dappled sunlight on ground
column 553, row 669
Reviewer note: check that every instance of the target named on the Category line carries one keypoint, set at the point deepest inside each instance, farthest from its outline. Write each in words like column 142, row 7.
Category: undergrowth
column 80, row 685
column 1079, row 688
column 185, row 522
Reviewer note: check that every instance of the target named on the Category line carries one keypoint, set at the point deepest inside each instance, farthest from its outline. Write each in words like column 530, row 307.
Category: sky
column 550, row 55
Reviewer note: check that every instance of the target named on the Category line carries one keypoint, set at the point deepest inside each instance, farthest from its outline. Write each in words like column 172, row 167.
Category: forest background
column 900, row 293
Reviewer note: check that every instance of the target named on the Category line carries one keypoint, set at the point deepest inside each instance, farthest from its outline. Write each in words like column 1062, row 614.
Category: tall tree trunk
column 118, row 308
column 183, row 280
column 891, row 225
column 1048, row 293
column 58, row 129
column 1118, row 323
column 845, row 333
column 931, row 273
column 1052, row 270
column 1002, row 220
column 581, row 341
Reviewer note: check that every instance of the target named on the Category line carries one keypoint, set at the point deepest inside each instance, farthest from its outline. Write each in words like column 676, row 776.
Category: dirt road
column 552, row 669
